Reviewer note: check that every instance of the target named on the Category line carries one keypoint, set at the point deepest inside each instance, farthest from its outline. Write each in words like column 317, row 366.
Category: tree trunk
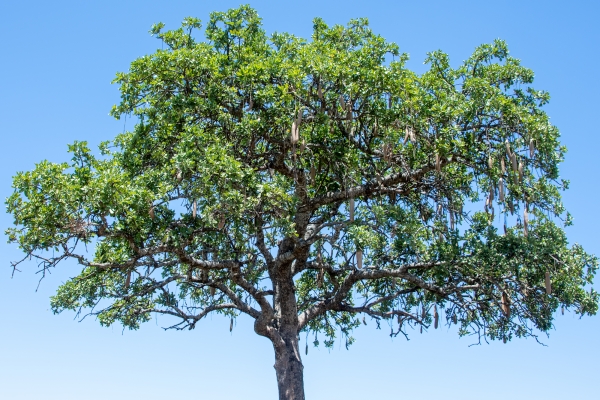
column 288, row 365
column 290, row 371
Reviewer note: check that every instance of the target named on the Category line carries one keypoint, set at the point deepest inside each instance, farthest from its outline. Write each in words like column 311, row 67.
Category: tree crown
column 258, row 160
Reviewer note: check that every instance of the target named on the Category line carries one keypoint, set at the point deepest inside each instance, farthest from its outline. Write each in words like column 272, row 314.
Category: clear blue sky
column 58, row 58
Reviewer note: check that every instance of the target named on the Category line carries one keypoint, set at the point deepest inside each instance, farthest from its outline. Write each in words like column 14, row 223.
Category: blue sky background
column 57, row 61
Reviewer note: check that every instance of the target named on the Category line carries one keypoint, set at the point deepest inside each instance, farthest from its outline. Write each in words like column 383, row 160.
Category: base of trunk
column 290, row 372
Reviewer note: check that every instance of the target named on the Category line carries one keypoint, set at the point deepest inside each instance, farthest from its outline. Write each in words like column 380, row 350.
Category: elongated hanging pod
column 491, row 196
column 451, row 220
column 507, row 145
column 306, row 349
column 531, row 147
column 359, row 259
column 454, row 319
column 438, row 163
column 520, row 171
column 548, row 283
column 221, row 221
column 179, row 176
column 503, row 165
column 293, row 136
column 351, row 209
column 505, row 305
column 212, row 291
column 501, row 190
column 128, row 280
column 436, row 317
column 490, row 162
column 562, row 310
column 313, row 173
column 413, row 135
column 406, row 135
column 194, row 206
column 151, row 211
column 513, row 162
column 231, row 324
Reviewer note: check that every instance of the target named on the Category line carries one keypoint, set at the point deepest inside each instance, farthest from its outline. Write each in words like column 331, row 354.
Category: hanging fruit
column 435, row 317
column 513, row 162
column 505, row 304
column 548, row 284
column 359, row 259
column 520, row 171
column 351, row 209
column 531, row 147
column 507, row 145
column 128, row 280
column 194, row 205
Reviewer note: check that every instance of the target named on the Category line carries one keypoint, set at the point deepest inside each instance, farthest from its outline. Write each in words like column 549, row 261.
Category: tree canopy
column 309, row 184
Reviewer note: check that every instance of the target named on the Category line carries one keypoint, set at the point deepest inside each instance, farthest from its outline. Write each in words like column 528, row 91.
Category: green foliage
column 209, row 203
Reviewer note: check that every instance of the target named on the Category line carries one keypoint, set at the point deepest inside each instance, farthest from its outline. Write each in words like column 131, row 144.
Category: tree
column 311, row 184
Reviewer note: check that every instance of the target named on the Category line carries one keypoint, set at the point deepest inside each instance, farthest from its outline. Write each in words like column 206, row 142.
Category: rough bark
column 289, row 369
column 288, row 365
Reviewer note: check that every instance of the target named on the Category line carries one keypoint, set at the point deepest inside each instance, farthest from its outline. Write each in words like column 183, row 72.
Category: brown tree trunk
column 288, row 365
column 289, row 369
